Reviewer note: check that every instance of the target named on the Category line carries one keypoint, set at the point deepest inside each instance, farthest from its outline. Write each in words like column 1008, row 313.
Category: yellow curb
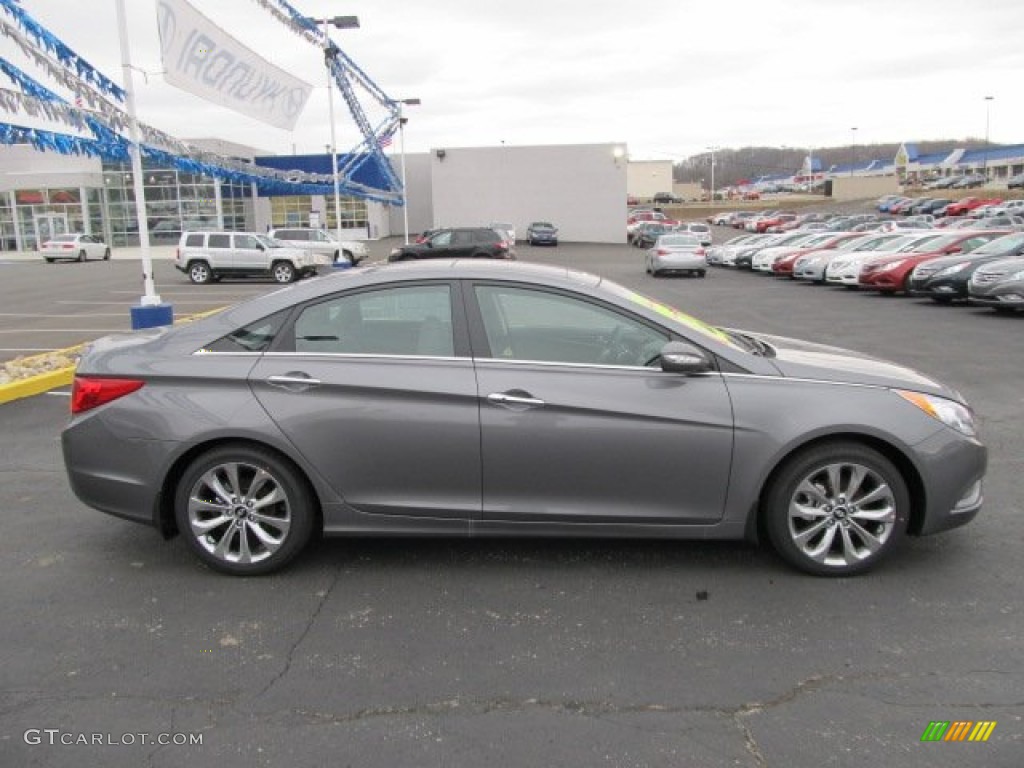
column 62, row 377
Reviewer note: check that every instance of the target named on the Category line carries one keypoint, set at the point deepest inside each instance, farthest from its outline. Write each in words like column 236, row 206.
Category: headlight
column 953, row 269
column 891, row 265
column 949, row 412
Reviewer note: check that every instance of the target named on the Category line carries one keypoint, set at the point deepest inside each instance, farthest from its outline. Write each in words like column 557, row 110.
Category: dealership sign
column 202, row 59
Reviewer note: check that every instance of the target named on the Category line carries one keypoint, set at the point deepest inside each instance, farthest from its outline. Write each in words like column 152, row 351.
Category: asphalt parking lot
column 541, row 653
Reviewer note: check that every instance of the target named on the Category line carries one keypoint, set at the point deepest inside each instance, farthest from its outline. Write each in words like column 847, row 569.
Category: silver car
column 678, row 254
column 481, row 398
column 999, row 284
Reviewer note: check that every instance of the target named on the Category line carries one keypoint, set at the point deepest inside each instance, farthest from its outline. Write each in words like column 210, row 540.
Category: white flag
column 199, row 57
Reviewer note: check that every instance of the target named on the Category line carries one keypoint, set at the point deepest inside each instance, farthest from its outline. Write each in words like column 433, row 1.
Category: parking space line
column 84, row 314
column 66, row 330
column 122, row 303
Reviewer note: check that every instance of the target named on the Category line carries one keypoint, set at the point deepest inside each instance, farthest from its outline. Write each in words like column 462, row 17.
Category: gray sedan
column 477, row 398
column 677, row 253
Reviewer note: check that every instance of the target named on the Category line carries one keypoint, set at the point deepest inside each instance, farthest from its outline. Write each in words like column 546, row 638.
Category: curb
column 62, row 377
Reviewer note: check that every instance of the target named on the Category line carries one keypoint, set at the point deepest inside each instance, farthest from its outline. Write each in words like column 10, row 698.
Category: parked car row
column 980, row 266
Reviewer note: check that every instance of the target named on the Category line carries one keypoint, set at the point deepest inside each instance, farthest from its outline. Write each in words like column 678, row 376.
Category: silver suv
column 210, row 256
column 322, row 242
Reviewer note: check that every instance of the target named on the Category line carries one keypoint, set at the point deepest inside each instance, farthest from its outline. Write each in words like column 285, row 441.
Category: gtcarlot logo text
column 55, row 737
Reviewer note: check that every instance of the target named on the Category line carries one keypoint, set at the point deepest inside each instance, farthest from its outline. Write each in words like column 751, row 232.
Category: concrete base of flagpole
column 151, row 316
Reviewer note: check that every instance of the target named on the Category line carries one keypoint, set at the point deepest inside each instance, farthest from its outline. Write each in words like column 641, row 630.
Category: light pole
column 984, row 157
column 711, row 192
column 810, row 170
column 853, row 149
column 330, row 52
column 401, row 143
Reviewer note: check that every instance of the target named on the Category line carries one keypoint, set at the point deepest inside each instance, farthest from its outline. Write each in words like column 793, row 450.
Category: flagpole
column 150, row 311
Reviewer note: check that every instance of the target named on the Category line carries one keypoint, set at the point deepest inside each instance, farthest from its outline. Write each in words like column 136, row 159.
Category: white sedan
column 74, row 247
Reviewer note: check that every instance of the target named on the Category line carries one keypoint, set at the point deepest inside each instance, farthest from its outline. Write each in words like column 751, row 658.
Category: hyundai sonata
column 480, row 398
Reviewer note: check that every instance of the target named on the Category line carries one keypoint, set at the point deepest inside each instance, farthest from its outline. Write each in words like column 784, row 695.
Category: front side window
column 442, row 238
column 246, row 241
column 412, row 320
column 535, row 325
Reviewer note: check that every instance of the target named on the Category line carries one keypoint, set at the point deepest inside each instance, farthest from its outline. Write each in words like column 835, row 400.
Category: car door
column 377, row 392
column 575, row 428
column 248, row 254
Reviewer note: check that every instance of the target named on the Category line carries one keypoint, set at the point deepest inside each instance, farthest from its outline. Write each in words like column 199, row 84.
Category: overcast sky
column 667, row 77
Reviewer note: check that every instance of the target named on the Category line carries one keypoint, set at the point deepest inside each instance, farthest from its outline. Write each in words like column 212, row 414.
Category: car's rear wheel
column 48, row 259
column 836, row 509
column 81, row 255
column 283, row 272
column 350, row 256
column 199, row 272
column 701, row 272
column 243, row 510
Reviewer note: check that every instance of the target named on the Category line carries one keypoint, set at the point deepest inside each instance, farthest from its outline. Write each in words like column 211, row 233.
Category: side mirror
column 680, row 357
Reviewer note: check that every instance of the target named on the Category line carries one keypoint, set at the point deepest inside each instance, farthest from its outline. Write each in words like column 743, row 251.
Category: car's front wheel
column 81, row 255
column 836, row 509
column 244, row 510
column 283, row 272
column 199, row 272
column 106, row 255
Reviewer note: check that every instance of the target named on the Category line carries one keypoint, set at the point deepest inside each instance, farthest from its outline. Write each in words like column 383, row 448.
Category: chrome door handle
column 293, row 381
column 501, row 398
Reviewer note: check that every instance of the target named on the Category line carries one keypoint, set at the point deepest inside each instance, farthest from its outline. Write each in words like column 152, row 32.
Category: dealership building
column 581, row 188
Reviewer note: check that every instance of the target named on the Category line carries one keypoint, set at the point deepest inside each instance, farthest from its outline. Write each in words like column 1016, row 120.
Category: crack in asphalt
column 305, row 631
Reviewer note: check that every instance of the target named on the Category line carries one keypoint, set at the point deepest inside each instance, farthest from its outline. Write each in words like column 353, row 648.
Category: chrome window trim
column 364, row 356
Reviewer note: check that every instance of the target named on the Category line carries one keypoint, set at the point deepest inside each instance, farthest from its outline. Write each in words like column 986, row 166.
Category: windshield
column 1003, row 246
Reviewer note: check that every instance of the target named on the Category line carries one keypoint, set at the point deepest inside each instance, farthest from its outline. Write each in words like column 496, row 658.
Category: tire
column 199, row 272
column 816, row 526
column 350, row 256
column 48, row 260
column 942, row 299
column 106, row 255
column 224, row 510
column 283, row 272
column 701, row 272
column 81, row 256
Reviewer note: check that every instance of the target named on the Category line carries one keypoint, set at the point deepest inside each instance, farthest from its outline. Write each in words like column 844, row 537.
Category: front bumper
column 952, row 467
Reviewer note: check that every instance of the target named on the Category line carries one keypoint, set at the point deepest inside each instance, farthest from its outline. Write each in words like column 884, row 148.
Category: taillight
column 701, row 252
column 88, row 393
column 662, row 252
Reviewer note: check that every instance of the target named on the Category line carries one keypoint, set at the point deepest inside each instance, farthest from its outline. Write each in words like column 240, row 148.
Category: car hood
column 796, row 358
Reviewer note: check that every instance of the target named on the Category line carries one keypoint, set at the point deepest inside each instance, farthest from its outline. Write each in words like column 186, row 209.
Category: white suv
column 321, row 242
column 210, row 256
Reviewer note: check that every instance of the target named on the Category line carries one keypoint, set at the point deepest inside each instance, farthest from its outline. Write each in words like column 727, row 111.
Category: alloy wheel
column 239, row 513
column 841, row 514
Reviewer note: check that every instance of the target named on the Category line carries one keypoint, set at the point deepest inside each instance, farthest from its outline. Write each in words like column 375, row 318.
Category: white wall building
column 580, row 188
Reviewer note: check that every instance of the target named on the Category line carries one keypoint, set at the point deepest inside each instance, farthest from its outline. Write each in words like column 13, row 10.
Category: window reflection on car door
column 578, row 424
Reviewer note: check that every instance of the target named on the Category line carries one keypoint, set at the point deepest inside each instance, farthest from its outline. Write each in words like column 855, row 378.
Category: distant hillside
column 731, row 165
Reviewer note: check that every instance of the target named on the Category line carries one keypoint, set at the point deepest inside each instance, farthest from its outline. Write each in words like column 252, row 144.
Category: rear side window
column 255, row 337
column 220, row 241
column 194, row 241
column 292, row 234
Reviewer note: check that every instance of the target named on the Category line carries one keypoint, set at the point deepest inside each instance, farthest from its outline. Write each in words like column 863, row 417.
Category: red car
column 962, row 207
column 773, row 221
column 891, row 274
column 784, row 266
